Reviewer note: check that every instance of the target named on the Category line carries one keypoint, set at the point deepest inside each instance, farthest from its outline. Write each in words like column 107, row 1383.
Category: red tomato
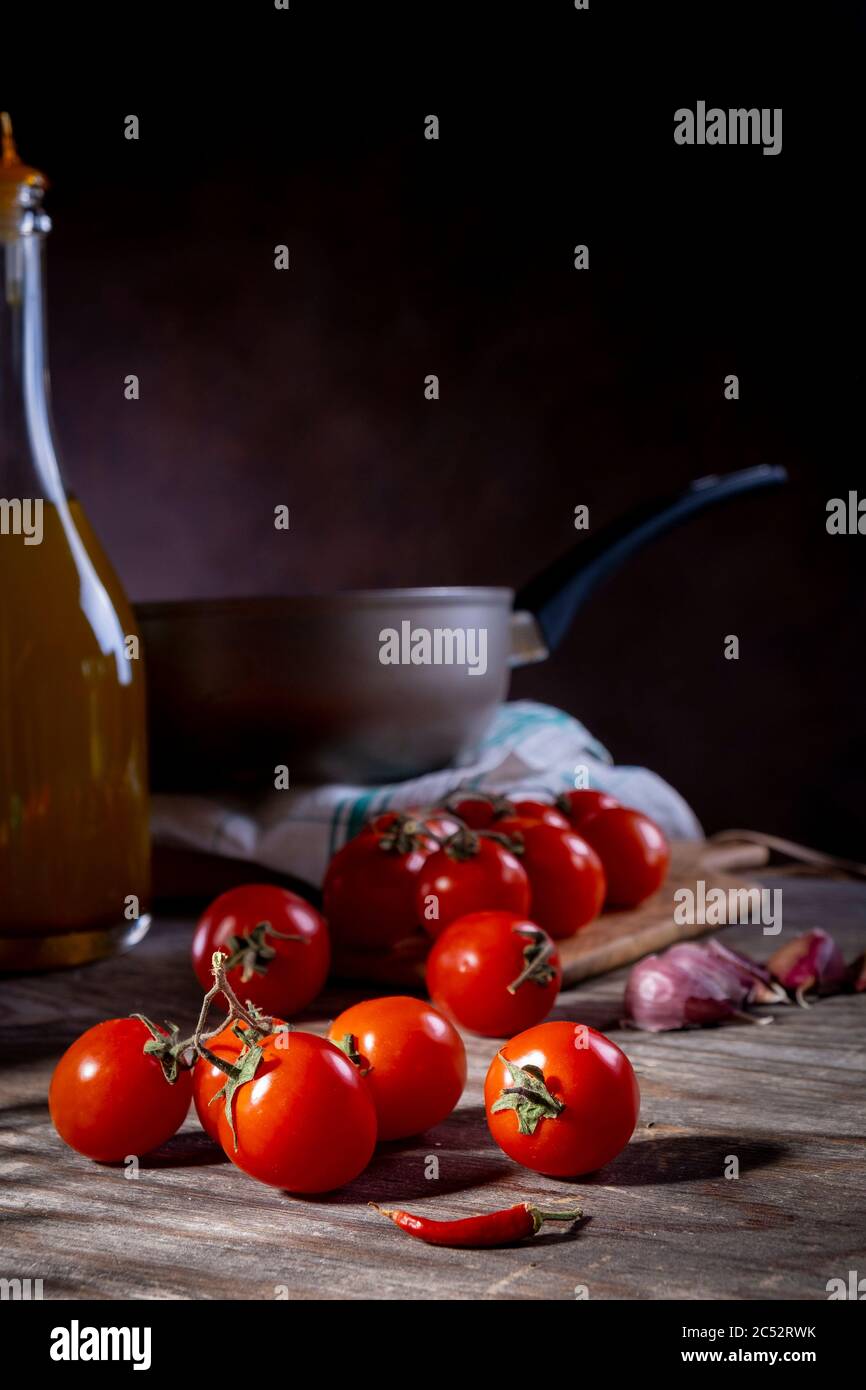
column 250, row 923
column 566, row 878
column 494, row 972
column 633, row 850
column 535, row 810
column 414, row 1059
column 579, row 804
column 109, row 1099
column 476, row 812
column 207, row 1079
column 582, row 1102
column 370, row 891
column 439, row 822
column 306, row 1121
column 472, row 874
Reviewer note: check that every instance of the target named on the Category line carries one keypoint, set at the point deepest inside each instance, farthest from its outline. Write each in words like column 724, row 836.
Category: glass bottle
column 74, row 843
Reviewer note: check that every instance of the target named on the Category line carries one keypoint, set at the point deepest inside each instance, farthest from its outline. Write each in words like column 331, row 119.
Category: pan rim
column 349, row 598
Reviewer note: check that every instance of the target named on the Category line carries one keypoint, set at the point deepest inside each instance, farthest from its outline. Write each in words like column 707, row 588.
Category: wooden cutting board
column 616, row 939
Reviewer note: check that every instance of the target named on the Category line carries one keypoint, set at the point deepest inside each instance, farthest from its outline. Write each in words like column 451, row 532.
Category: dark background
column 558, row 387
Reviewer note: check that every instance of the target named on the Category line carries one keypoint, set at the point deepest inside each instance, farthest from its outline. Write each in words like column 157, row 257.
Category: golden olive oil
column 74, row 850
column 73, row 774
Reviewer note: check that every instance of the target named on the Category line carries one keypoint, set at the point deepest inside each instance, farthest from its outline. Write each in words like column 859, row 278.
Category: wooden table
column 663, row 1221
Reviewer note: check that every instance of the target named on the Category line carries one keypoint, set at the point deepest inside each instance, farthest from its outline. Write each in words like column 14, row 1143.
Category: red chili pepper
column 475, row 1232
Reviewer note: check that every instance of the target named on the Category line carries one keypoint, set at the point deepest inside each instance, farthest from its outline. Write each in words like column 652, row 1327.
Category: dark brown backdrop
column 557, row 387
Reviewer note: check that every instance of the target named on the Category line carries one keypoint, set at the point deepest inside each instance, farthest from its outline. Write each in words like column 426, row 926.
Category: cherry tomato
column 207, row 1078
column 279, row 944
column 109, row 1099
column 306, row 1121
column 414, row 1060
column 370, row 889
column 476, row 812
column 467, row 875
column 566, row 878
column 530, row 810
column 495, row 973
column 579, row 804
column 439, row 822
column 633, row 850
column 573, row 1092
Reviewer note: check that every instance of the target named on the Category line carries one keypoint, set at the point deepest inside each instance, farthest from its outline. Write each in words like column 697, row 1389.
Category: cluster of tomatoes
column 495, row 883
column 566, row 860
column 304, row 1112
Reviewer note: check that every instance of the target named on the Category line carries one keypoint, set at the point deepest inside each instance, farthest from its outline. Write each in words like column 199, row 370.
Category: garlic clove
column 687, row 986
column 761, row 988
column 810, row 962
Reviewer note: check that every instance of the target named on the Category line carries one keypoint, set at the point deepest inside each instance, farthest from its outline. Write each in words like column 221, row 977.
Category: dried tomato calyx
column 255, row 1032
column 348, row 1044
column 466, row 843
column 527, row 1096
column 236, row 1075
column 405, row 834
column 462, row 845
column 536, row 956
column 164, row 1047
column 253, row 952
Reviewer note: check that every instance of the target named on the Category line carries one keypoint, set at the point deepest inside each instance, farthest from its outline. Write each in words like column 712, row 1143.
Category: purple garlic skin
column 687, row 986
column 691, row 985
column 812, row 961
column 761, row 989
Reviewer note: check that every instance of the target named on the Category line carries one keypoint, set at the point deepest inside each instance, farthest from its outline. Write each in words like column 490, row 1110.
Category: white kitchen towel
column 531, row 750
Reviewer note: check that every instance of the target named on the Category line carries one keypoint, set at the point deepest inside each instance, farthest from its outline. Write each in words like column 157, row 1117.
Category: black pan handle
column 555, row 595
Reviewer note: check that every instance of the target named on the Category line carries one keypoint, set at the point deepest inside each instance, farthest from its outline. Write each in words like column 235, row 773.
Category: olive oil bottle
column 74, row 845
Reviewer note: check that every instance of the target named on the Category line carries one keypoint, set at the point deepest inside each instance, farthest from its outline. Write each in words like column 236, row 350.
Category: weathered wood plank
column 786, row 1100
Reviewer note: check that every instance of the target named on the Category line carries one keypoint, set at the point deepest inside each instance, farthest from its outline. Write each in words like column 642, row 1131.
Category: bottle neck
column 28, row 458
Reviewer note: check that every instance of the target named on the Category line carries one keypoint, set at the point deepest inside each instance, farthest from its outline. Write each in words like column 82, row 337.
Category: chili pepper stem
column 539, row 1216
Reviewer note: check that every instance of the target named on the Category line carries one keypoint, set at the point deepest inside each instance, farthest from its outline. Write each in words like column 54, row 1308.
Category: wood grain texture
column 662, row 1220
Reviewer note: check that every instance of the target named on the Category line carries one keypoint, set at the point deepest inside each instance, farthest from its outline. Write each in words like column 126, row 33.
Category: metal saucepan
column 238, row 686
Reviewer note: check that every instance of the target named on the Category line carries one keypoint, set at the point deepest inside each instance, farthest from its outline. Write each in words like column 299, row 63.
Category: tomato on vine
column 633, row 850
column 476, row 809
column 370, row 888
column 277, row 945
column 530, row 809
column 482, row 810
column 118, row 1091
column 300, row 1117
column 582, row 802
column 566, row 877
column 438, row 822
column 208, row 1079
column 495, row 973
column 469, row 872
